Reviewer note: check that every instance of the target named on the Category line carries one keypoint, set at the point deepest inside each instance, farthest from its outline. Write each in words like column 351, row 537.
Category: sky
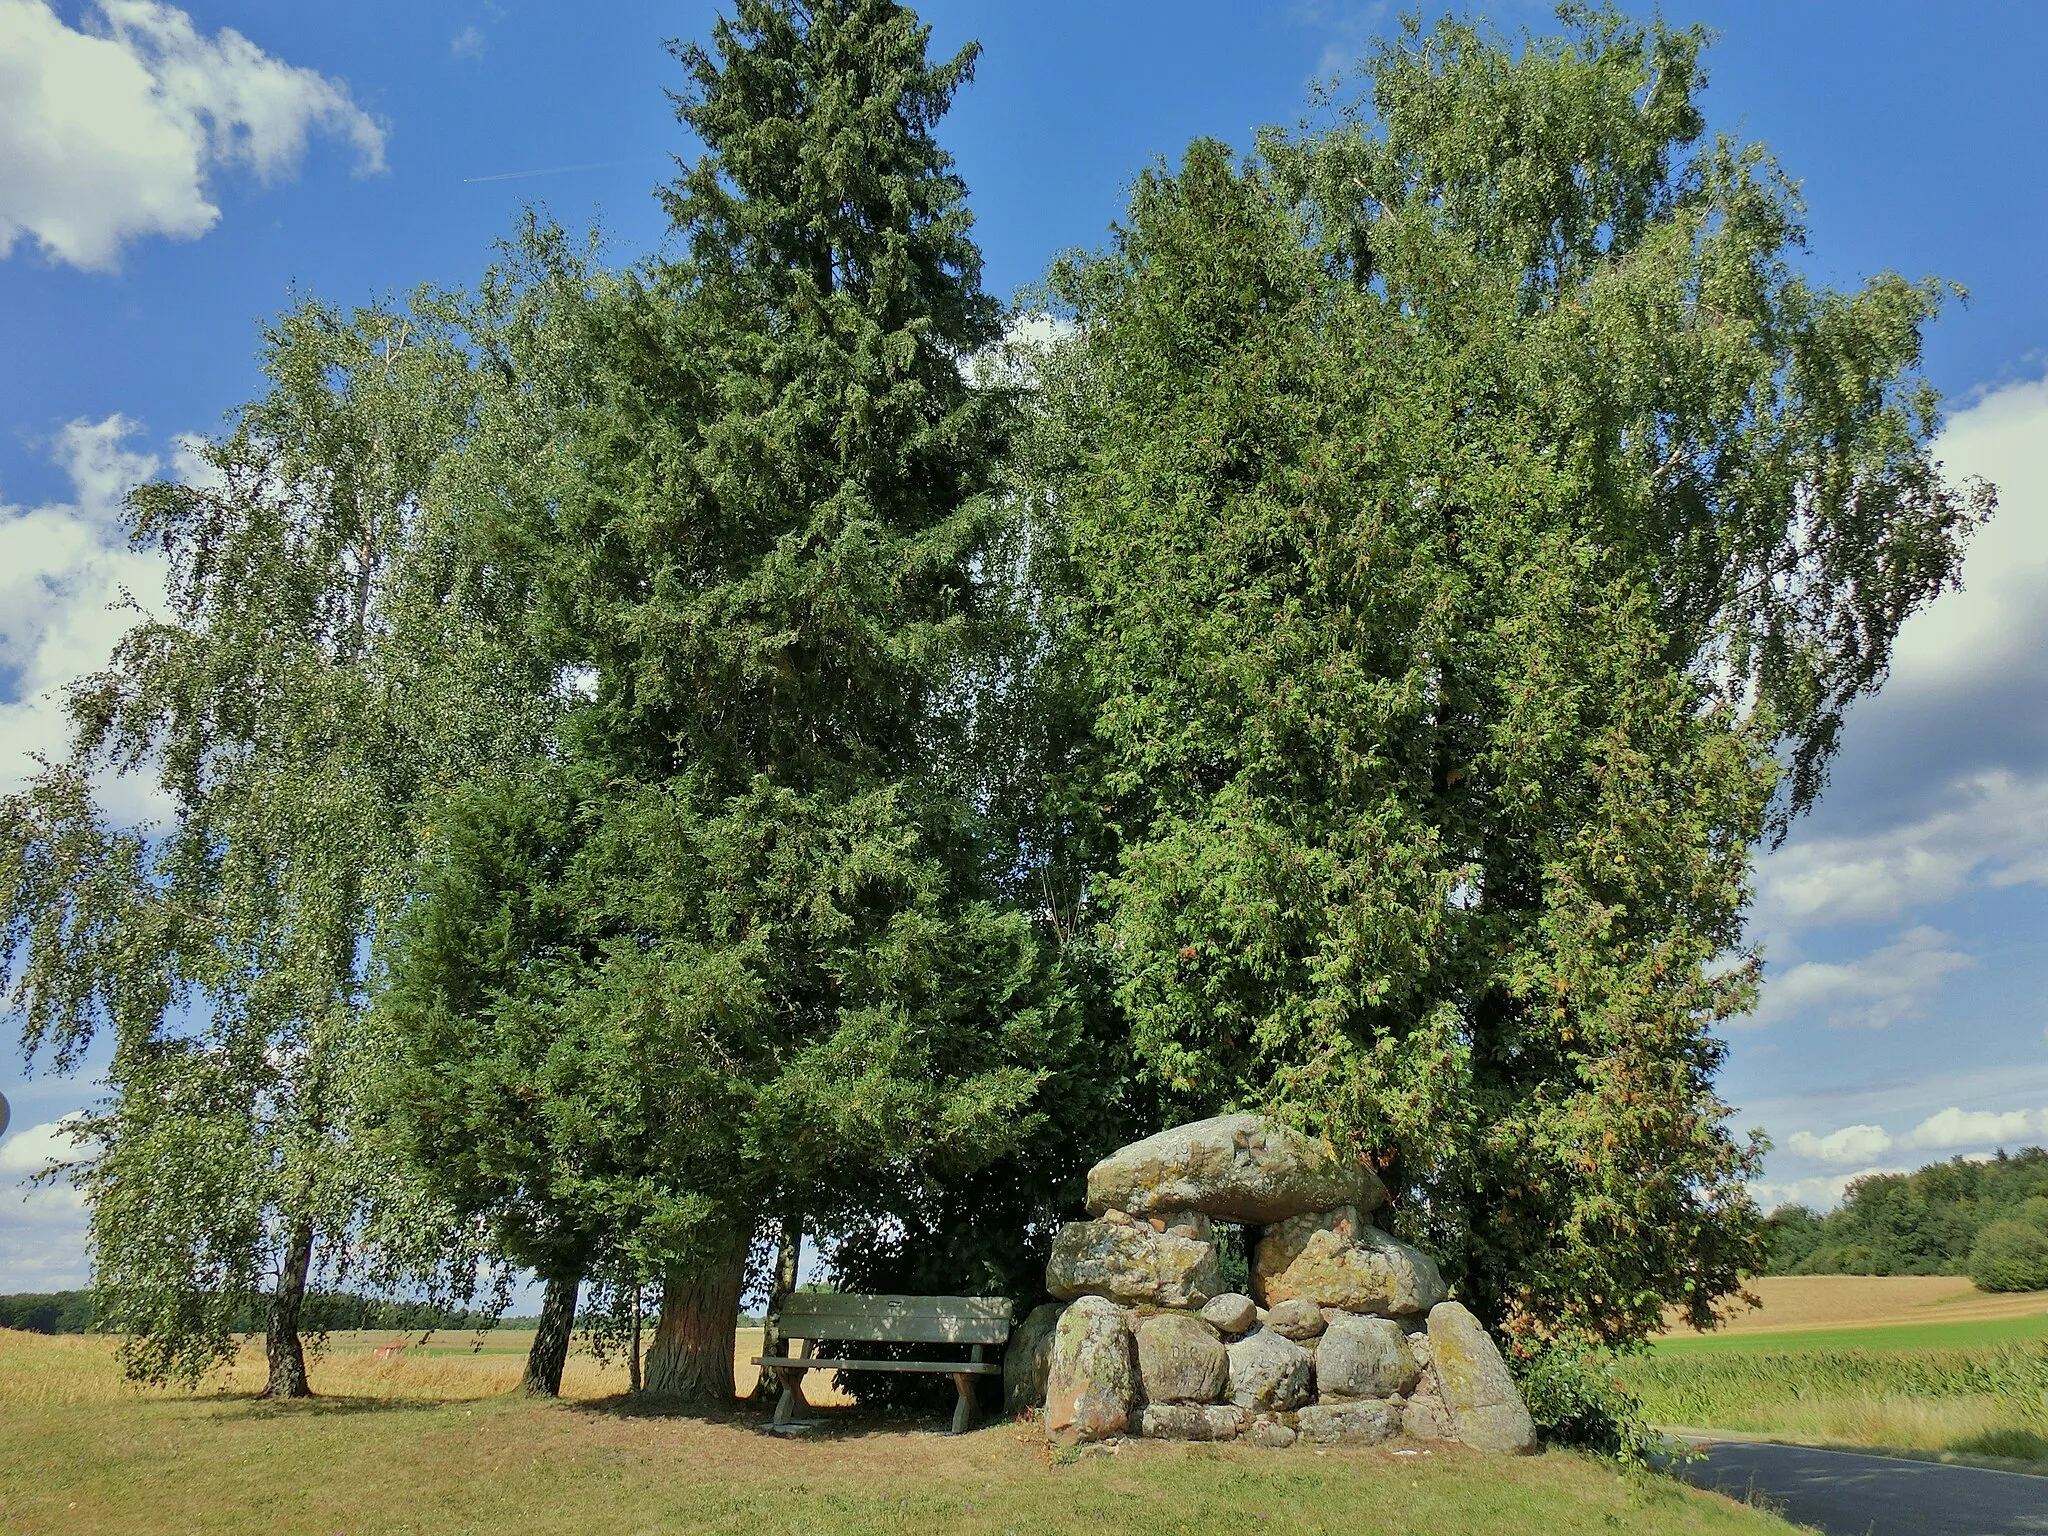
column 171, row 177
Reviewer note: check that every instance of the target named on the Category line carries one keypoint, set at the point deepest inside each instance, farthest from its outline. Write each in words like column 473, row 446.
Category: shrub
column 2011, row 1255
column 1575, row 1400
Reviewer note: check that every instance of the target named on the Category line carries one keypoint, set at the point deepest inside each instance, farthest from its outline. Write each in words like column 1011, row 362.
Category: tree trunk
column 691, row 1360
column 281, row 1345
column 633, row 1360
column 787, row 1248
column 550, row 1351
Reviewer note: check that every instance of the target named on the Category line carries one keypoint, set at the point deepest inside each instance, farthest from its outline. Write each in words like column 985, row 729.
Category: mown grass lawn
column 1886, row 1338
column 436, row 1445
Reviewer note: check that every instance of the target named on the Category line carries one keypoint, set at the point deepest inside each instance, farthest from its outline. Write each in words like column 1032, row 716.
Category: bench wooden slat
column 827, row 1363
column 898, row 1319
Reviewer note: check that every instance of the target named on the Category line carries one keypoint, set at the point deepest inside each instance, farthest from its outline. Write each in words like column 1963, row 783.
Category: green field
column 438, row 1445
column 1989, row 1401
column 1891, row 1338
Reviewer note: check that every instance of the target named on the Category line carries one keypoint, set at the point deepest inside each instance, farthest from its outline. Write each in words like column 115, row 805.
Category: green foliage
column 1472, row 522
column 740, row 942
column 283, row 710
column 54, row 1312
column 1575, row 1399
column 2012, row 1254
column 1923, row 1223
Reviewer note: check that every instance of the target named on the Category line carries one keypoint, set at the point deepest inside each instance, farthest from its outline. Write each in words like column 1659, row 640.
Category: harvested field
column 1798, row 1303
column 431, row 1443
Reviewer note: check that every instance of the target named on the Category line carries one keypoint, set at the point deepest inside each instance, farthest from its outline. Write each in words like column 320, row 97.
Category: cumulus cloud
column 42, row 1229
column 1821, row 1191
column 1885, row 987
column 1851, row 1144
column 112, row 130
column 1955, row 1127
column 27, row 1153
column 67, row 578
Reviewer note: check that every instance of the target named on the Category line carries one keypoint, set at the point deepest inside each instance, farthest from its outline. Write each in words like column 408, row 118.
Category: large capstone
column 1093, row 1382
column 1362, row 1423
column 1180, row 1359
column 1129, row 1262
column 1338, row 1259
column 1027, row 1359
column 1236, row 1168
column 1364, row 1357
column 1484, row 1408
column 1270, row 1374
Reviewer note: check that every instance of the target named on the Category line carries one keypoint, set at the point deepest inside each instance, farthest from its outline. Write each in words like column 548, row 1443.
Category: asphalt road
column 1847, row 1495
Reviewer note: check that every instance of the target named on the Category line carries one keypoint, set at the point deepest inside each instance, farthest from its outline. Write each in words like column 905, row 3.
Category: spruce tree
column 759, row 541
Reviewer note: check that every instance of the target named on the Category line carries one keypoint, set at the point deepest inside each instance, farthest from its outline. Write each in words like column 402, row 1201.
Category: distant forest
column 1987, row 1220
column 326, row 1312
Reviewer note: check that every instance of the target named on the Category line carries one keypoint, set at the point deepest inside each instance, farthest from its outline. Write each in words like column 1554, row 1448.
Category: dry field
column 432, row 1442
column 1804, row 1303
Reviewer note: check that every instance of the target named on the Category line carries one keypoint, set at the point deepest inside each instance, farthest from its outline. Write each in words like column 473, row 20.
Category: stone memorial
column 1348, row 1337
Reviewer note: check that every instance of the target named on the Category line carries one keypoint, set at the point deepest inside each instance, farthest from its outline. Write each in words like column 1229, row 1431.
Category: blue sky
column 170, row 176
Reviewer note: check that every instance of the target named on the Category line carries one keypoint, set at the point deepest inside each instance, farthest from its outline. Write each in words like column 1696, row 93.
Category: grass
column 1891, row 1338
column 1986, row 1403
column 434, row 1442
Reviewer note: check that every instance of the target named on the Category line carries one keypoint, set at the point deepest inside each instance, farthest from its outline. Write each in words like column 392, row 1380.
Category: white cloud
column 1851, row 1144
column 27, row 1153
column 111, row 131
column 1975, row 1128
column 1887, row 986
column 468, row 43
column 65, row 573
column 1822, row 1191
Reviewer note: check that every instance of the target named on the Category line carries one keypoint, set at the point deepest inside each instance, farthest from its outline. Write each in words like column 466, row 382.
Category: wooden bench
column 815, row 1316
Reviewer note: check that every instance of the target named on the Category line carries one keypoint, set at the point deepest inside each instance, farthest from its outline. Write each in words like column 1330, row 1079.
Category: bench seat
column 975, row 1321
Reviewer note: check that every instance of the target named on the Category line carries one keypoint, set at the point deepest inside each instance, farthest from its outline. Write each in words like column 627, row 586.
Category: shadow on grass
column 2010, row 1444
column 819, row 1423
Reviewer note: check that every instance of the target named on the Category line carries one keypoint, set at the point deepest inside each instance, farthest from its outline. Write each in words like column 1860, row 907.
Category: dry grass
column 432, row 1443
column 1797, row 1303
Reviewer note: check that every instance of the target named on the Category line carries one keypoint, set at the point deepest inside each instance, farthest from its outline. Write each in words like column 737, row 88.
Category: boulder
column 1270, row 1433
column 1231, row 1313
column 1270, row 1373
column 1093, row 1381
column 1485, row 1409
column 1423, row 1416
column 1336, row 1259
column 1364, row 1357
column 1361, row 1423
column 1180, row 1360
column 1297, row 1320
column 1235, row 1168
column 1027, row 1359
column 1192, row 1421
column 1194, row 1224
column 1128, row 1262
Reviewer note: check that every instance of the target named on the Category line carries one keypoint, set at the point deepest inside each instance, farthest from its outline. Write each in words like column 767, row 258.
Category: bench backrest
column 902, row 1319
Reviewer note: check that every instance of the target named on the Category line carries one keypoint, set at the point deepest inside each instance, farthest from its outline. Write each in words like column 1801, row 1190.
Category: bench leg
column 963, row 1415
column 792, row 1396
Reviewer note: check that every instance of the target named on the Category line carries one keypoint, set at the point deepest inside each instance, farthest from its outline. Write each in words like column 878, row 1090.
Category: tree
column 780, row 936
column 1480, row 529
column 286, row 732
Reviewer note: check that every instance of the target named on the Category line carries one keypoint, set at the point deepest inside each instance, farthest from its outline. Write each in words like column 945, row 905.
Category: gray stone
column 1027, row 1359
column 1418, row 1346
column 1361, row 1423
column 1297, row 1320
column 1231, row 1313
column 1180, row 1359
column 1194, row 1224
column 1423, row 1417
column 1270, row 1433
column 1270, row 1373
column 1192, row 1421
column 1337, row 1259
column 1235, row 1168
column 1128, row 1262
column 1364, row 1357
column 1486, row 1411
column 1093, row 1382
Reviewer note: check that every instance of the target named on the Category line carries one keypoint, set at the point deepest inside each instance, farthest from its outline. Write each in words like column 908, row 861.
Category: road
column 1848, row 1495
